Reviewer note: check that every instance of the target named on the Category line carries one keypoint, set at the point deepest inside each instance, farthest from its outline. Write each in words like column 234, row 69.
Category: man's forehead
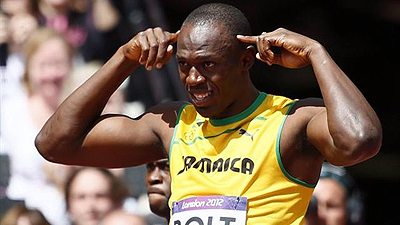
column 209, row 36
column 205, row 31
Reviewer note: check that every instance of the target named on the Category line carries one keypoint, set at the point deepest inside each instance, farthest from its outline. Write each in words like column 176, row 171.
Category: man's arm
column 347, row 130
column 77, row 134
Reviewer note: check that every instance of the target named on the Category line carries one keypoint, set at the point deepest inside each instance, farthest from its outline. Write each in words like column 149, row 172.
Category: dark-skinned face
column 158, row 181
column 211, row 69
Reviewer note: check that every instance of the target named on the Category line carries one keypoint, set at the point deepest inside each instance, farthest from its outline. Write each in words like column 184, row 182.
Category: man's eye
column 209, row 64
column 182, row 64
column 150, row 166
column 164, row 166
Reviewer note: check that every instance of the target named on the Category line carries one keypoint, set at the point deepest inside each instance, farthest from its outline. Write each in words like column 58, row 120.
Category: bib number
column 210, row 210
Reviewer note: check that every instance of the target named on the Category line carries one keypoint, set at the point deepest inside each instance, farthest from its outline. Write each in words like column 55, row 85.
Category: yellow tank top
column 238, row 156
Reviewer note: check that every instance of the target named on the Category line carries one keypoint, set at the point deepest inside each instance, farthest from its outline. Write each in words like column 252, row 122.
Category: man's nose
column 155, row 176
column 194, row 77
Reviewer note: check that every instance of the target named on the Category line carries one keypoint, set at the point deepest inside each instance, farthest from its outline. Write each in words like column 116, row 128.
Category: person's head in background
column 20, row 28
column 121, row 217
column 158, row 183
column 48, row 63
column 18, row 19
column 335, row 199
column 20, row 215
column 91, row 193
column 14, row 7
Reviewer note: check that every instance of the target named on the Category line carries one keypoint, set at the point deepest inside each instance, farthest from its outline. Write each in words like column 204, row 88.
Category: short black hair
column 229, row 16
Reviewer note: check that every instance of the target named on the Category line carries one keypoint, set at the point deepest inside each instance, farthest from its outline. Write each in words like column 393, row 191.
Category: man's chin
column 206, row 112
column 156, row 198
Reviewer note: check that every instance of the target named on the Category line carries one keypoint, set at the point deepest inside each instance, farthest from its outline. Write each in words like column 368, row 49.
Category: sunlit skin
column 331, row 197
column 158, row 183
column 213, row 77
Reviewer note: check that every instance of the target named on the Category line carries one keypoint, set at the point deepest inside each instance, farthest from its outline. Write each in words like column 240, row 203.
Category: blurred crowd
column 48, row 48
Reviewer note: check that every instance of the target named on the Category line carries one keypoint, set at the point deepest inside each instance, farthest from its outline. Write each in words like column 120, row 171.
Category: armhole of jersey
column 178, row 117
column 278, row 152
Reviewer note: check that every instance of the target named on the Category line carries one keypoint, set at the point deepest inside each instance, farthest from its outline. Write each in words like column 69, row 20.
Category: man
column 158, row 183
column 236, row 154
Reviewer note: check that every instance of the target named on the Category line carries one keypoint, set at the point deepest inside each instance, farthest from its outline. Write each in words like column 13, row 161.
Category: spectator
column 122, row 217
column 21, row 215
column 17, row 22
column 44, row 79
column 336, row 201
column 14, row 7
column 91, row 193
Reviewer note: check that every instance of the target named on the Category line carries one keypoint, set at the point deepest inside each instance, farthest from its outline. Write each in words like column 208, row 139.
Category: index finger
column 172, row 37
column 247, row 39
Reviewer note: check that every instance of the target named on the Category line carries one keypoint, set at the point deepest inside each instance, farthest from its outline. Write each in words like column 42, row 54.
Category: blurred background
column 362, row 36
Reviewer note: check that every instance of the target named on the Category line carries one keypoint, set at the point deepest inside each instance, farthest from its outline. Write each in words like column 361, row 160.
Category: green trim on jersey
column 229, row 120
column 278, row 152
column 176, row 128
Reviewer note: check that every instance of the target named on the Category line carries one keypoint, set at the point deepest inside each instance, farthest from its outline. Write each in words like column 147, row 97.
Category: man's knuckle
column 145, row 48
column 163, row 42
column 153, row 45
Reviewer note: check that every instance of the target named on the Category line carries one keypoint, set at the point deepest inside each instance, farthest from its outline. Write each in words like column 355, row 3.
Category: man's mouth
column 202, row 98
column 153, row 190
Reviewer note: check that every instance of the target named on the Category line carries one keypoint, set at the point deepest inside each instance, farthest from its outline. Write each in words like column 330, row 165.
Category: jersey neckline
column 232, row 119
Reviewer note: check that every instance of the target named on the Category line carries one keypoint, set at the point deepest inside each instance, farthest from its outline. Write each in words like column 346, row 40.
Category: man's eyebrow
column 205, row 57
column 199, row 57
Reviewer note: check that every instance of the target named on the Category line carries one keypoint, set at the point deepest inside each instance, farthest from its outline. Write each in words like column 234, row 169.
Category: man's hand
column 295, row 49
column 151, row 48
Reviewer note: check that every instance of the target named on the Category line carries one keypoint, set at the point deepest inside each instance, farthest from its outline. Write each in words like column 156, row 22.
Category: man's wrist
column 317, row 53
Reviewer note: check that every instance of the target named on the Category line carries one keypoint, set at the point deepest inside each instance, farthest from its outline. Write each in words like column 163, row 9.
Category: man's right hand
column 151, row 48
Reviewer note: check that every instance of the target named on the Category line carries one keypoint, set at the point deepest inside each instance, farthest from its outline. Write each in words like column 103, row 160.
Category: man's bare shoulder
column 301, row 114
column 307, row 108
column 309, row 104
column 162, row 116
column 295, row 149
column 167, row 107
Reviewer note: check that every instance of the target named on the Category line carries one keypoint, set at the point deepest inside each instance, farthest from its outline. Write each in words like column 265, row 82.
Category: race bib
column 210, row 210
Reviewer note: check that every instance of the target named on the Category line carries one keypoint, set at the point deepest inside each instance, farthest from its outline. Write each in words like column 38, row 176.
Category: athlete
column 237, row 155
column 158, row 184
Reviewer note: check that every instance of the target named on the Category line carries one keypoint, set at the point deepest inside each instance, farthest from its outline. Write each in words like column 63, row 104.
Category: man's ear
column 248, row 57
